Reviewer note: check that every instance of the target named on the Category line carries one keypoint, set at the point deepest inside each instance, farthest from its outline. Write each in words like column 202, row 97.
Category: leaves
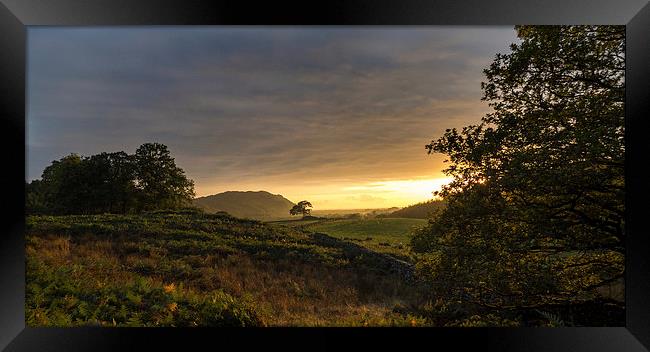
column 535, row 210
column 111, row 182
column 301, row 208
column 140, row 302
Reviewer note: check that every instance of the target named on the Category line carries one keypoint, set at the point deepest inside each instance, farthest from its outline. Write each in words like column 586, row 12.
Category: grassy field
column 194, row 269
column 385, row 235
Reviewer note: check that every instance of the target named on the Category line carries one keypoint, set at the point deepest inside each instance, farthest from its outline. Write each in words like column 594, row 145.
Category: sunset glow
column 337, row 116
column 376, row 194
column 412, row 189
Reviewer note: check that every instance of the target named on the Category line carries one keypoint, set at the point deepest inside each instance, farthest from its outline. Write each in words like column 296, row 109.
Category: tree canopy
column 301, row 208
column 160, row 182
column 535, row 211
column 111, row 183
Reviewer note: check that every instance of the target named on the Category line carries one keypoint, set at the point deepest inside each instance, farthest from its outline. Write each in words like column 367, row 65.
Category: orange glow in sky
column 338, row 116
column 342, row 195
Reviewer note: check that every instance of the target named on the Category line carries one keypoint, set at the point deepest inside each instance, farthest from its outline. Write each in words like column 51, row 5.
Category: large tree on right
column 535, row 214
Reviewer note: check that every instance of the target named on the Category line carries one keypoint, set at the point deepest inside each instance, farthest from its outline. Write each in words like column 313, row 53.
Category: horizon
column 337, row 116
column 314, row 209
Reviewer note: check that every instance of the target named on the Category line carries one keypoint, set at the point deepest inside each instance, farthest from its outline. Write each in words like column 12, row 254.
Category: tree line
column 535, row 213
column 111, row 183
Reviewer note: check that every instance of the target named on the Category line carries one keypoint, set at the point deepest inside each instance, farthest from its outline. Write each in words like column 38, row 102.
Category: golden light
column 348, row 195
column 411, row 190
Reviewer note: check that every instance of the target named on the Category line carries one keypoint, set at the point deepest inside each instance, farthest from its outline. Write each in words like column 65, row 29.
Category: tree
column 535, row 209
column 114, row 178
column 110, row 182
column 35, row 198
column 301, row 208
column 160, row 182
column 62, row 185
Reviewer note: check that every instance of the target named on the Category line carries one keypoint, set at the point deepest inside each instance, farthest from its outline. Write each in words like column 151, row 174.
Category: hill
column 187, row 268
column 418, row 211
column 337, row 213
column 260, row 205
column 195, row 269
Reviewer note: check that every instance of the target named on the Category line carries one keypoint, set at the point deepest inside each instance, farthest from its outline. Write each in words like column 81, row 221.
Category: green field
column 196, row 269
column 391, row 236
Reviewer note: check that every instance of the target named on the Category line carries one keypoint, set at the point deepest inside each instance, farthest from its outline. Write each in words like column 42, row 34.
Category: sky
column 338, row 116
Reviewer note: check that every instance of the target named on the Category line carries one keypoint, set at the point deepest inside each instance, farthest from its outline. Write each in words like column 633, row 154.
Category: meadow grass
column 385, row 235
column 195, row 269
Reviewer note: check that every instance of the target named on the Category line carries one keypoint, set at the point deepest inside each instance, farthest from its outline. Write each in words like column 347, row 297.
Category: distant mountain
column 418, row 211
column 260, row 205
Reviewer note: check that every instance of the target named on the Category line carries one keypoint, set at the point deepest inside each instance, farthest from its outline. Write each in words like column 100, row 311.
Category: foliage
column 160, row 182
column 534, row 215
column 62, row 297
column 35, row 197
column 483, row 321
column 301, row 208
column 110, row 182
column 189, row 268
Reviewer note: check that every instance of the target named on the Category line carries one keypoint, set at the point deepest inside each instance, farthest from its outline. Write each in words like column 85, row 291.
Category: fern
column 553, row 319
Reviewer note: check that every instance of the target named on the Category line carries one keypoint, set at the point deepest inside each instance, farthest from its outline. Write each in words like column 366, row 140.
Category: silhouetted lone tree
column 535, row 210
column 301, row 208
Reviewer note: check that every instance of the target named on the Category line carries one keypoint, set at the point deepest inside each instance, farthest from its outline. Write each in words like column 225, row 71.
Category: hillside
column 418, row 211
column 260, row 205
column 187, row 268
column 389, row 236
column 195, row 269
column 337, row 213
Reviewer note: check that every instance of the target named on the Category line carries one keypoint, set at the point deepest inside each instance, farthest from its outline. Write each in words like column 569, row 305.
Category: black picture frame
column 16, row 15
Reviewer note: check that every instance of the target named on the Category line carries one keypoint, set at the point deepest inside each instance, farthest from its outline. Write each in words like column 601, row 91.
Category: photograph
column 325, row 176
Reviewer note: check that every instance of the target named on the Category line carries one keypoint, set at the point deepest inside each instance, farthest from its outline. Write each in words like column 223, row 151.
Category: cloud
column 366, row 198
column 255, row 104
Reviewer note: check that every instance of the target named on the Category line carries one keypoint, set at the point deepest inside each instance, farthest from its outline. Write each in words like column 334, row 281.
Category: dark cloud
column 251, row 103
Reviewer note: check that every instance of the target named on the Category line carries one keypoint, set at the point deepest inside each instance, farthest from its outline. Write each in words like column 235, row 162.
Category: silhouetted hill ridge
column 260, row 205
column 418, row 211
